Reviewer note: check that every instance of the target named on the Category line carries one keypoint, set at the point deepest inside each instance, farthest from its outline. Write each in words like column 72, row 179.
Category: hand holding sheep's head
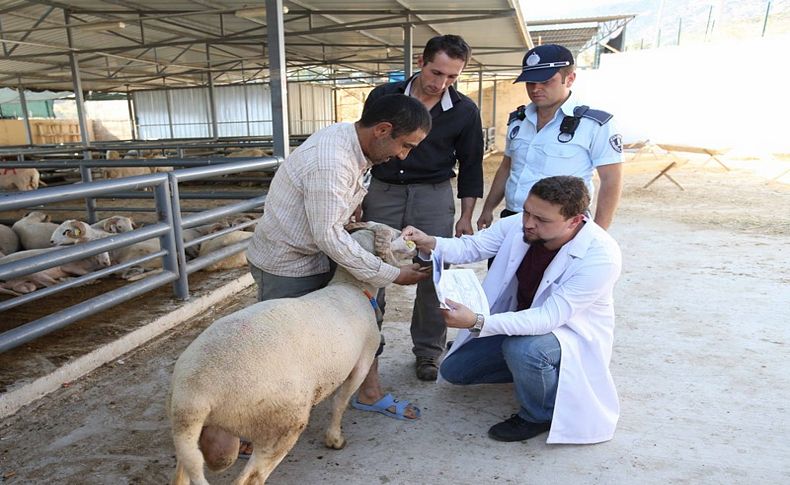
column 386, row 241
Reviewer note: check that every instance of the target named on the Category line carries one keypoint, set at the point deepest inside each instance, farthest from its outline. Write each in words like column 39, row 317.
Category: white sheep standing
column 34, row 230
column 9, row 241
column 20, row 179
column 277, row 359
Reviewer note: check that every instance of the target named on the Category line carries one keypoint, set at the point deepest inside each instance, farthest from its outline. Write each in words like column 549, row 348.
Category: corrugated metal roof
column 146, row 43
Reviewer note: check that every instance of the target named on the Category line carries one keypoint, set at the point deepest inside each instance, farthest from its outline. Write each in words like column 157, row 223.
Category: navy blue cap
column 542, row 62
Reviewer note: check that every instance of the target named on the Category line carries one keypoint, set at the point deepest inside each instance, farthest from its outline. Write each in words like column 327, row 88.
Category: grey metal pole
column 167, row 241
column 408, row 50
column 493, row 111
column 278, row 77
column 169, row 102
column 181, row 285
column 765, row 20
column 680, row 29
column 85, row 172
column 480, row 90
column 132, row 120
column 25, row 116
column 246, row 99
column 212, row 107
column 77, row 83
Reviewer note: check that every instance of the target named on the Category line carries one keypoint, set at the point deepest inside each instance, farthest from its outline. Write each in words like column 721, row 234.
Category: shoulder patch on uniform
column 600, row 117
column 617, row 143
column 518, row 114
column 514, row 131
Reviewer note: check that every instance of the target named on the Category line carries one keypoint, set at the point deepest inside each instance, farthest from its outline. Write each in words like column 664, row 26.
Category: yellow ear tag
column 77, row 232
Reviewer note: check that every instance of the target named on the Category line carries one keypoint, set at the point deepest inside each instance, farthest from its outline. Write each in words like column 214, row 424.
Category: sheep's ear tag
column 77, row 232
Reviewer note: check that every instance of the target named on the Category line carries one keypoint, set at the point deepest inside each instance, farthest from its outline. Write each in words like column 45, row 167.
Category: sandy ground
column 700, row 358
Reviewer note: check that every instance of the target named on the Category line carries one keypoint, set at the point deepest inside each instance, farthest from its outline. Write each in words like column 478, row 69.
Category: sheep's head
column 71, row 231
column 36, row 216
column 216, row 227
column 101, row 260
column 112, row 155
column 118, row 224
column 383, row 241
column 241, row 219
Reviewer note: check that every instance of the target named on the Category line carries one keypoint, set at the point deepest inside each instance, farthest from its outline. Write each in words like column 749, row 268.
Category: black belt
column 406, row 182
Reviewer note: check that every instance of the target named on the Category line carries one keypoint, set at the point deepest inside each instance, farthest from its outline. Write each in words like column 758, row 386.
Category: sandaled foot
column 245, row 449
column 389, row 406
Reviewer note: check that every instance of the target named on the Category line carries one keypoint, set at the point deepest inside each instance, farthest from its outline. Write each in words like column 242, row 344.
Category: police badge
column 617, row 143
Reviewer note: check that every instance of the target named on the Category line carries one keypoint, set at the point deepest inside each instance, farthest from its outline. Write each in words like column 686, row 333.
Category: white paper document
column 459, row 284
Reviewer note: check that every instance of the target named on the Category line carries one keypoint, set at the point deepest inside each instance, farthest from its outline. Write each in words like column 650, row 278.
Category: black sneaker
column 516, row 429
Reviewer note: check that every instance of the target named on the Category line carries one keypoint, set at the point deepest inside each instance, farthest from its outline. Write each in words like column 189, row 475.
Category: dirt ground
column 700, row 362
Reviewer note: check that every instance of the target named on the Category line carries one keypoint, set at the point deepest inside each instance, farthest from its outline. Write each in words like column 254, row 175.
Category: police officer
column 555, row 134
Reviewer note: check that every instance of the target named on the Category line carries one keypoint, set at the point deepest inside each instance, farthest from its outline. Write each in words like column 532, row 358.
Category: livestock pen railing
column 178, row 145
column 85, row 168
column 168, row 229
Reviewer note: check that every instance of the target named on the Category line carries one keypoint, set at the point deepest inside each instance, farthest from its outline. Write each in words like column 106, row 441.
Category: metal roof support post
column 408, row 50
column 246, row 99
column 334, row 95
column 212, row 106
column 25, row 116
column 169, row 103
column 85, row 172
column 77, row 83
column 277, row 77
column 480, row 90
column 493, row 110
column 132, row 120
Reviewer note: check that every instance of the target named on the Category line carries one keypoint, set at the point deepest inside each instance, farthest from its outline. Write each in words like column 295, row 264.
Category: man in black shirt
column 417, row 191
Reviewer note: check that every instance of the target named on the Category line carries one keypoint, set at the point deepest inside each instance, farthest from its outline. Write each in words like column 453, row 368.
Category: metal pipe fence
column 168, row 229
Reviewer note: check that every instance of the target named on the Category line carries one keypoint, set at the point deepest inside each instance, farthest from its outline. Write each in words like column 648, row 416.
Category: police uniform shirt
column 539, row 154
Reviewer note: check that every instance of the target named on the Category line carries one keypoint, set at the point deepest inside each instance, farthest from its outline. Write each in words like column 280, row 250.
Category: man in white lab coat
column 551, row 325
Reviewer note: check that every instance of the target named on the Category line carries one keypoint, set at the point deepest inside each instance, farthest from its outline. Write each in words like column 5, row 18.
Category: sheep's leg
column 334, row 433
column 267, row 453
column 186, row 433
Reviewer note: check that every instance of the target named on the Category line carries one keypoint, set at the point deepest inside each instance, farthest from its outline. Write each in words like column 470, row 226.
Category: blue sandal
column 385, row 402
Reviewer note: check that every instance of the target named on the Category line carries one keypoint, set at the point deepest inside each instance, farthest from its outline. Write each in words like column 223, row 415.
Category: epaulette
column 519, row 114
column 600, row 117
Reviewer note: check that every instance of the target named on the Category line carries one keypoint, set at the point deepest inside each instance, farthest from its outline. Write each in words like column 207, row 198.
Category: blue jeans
column 531, row 363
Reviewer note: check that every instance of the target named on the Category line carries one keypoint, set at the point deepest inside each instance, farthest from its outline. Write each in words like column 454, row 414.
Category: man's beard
column 535, row 240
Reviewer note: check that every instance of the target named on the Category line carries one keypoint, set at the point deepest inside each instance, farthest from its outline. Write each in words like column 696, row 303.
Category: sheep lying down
column 259, row 371
column 50, row 276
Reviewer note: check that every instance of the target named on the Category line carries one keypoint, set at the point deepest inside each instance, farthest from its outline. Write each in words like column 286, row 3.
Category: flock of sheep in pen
column 34, row 234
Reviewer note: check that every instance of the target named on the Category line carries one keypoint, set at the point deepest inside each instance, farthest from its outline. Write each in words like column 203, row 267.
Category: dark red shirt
column 530, row 272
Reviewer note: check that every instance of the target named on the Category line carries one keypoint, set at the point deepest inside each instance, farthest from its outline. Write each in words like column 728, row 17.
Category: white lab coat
column 573, row 301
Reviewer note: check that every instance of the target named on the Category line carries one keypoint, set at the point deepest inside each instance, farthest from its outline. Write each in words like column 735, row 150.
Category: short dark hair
column 569, row 192
column 453, row 45
column 404, row 113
